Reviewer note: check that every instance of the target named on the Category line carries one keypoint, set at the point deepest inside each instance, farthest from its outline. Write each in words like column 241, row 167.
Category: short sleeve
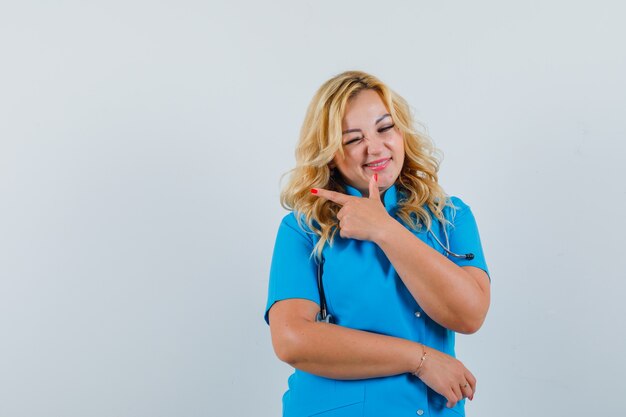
column 293, row 273
column 464, row 236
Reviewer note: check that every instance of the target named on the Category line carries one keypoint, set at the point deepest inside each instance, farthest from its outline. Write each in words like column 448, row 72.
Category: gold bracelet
column 416, row 373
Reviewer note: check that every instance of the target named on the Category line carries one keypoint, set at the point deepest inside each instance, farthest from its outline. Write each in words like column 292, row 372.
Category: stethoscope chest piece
column 446, row 247
column 324, row 318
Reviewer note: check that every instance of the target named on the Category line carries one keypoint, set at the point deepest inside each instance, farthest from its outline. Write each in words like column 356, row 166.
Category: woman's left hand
column 359, row 218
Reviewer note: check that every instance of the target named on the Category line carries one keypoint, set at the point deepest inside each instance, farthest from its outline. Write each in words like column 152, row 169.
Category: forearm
column 446, row 292
column 338, row 352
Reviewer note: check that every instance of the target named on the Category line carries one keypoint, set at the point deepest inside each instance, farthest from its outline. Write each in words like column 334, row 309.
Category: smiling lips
column 378, row 165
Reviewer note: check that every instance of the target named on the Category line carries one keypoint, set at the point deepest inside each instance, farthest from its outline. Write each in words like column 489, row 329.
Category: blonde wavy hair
column 321, row 139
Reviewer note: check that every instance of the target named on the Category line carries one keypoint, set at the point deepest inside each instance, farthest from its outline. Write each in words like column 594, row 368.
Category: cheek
column 351, row 160
column 399, row 145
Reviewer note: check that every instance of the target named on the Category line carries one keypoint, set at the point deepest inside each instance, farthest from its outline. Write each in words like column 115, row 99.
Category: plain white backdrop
column 141, row 148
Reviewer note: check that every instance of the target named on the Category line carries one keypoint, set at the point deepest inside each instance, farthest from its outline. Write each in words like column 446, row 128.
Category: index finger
column 333, row 196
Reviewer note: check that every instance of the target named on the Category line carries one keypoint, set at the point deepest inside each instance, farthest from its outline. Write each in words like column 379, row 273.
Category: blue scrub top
column 364, row 292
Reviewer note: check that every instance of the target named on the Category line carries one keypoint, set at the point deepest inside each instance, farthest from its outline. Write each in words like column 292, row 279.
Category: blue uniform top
column 364, row 292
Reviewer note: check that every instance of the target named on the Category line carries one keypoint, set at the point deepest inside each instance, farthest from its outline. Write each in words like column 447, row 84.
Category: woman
column 403, row 268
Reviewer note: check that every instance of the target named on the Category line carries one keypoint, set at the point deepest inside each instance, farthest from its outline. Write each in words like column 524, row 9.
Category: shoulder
column 295, row 220
column 458, row 203
column 456, row 208
column 289, row 220
column 294, row 223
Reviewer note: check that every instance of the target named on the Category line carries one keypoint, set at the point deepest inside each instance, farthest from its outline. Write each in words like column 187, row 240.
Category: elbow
column 469, row 326
column 285, row 352
column 471, row 318
column 288, row 345
column 471, row 323
column 293, row 330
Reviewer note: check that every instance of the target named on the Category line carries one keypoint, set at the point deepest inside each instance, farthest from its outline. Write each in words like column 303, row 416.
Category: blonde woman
column 375, row 268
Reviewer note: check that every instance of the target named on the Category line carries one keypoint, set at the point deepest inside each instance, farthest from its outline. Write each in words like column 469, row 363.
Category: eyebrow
column 359, row 130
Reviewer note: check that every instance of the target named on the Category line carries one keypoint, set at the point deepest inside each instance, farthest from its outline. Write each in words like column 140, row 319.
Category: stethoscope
column 325, row 317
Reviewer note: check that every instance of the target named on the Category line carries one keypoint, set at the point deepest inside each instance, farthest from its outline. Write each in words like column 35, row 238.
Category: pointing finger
column 333, row 196
column 373, row 186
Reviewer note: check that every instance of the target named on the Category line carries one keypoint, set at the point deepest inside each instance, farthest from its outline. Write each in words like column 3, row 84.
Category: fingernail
column 313, row 191
column 376, row 177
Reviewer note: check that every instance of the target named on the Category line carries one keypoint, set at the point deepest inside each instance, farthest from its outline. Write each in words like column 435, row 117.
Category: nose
column 375, row 146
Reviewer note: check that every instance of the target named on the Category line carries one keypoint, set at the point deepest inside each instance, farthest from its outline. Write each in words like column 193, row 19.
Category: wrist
column 385, row 231
column 417, row 370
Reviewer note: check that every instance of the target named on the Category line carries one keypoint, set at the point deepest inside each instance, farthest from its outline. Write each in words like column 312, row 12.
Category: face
column 371, row 144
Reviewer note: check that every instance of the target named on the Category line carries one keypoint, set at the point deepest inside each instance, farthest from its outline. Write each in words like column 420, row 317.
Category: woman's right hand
column 447, row 376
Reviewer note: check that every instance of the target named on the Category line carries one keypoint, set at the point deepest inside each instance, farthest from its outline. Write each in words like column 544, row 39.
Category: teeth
column 377, row 164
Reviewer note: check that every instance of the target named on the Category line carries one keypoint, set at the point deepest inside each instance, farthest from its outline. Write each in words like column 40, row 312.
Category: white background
column 141, row 148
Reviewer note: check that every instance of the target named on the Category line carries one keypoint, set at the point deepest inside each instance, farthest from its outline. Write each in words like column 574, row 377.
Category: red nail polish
column 313, row 191
column 376, row 177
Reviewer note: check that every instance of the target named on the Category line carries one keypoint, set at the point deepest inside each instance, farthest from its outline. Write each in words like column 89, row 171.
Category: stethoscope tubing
column 468, row 256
